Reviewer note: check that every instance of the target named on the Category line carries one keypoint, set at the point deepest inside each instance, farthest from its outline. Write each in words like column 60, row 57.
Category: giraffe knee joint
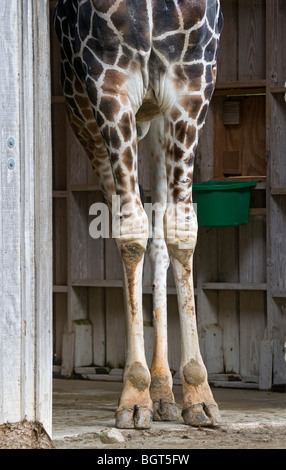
column 180, row 230
column 194, row 373
column 132, row 252
column 138, row 376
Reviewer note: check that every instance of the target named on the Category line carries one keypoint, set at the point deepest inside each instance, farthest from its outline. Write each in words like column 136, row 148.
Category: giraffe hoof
column 139, row 417
column 213, row 412
column 124, row 418
column 202, row 415
column 165, row 411
column 142, row 417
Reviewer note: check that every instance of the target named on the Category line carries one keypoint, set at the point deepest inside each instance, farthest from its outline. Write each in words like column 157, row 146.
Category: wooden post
column 25, row 207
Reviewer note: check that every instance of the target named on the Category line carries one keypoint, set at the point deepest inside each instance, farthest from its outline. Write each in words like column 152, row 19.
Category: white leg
column 164, row 407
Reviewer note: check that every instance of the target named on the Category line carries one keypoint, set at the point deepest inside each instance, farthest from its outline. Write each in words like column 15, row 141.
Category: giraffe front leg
column 199, row 406
column 135, row 406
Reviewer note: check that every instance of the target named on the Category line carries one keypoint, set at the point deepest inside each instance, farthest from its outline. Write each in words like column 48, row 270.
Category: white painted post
column 25, row 211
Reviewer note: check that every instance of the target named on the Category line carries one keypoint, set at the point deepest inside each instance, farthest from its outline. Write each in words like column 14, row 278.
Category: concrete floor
column 82, row 409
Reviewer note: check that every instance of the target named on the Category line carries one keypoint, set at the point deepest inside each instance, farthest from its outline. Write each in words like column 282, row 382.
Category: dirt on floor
column 83, row 418
column 252, row 437
column 24, row 435
column 84, row 412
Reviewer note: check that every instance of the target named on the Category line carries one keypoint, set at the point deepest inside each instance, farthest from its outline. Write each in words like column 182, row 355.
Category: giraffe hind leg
column 164, row 406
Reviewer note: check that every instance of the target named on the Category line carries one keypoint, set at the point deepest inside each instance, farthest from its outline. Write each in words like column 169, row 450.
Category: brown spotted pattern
column 122, row 60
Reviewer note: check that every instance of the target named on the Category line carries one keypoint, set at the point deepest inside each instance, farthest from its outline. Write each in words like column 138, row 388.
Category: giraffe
column 134, row 69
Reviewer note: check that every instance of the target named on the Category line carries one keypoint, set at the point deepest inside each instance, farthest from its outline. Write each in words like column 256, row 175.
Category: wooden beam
column 25, row 204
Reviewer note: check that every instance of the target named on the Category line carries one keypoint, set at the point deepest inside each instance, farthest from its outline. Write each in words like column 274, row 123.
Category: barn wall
column 25, row 204
column 239, row 280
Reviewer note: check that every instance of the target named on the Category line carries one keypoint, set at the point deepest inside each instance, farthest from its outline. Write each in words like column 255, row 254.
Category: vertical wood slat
column 252, row 251
column 276, row 34
column 252, row 330
column 277, row 278
column 115, row 327
column 59, row 324
column 60, row 241
column 276, row 178
column 26, row 254
column 229, row 321
column 59, row 147
column 96, row 305
column 10, row 235
column 42, row 208
column 278, row 140
column 87, row 255
column 252, row 40
column 228, row 69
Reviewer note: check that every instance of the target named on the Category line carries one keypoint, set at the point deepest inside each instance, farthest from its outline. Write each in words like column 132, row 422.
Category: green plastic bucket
column 222, row 203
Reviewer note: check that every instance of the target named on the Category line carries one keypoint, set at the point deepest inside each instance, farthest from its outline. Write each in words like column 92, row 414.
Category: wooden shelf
column 97, row 283
column 257, row 211
column 234, row 286
column 278, row 191
column 115, row 283
column 279, row 294
column 251, row 87
column 261, row 180
column 240, row 84
column 278, row 90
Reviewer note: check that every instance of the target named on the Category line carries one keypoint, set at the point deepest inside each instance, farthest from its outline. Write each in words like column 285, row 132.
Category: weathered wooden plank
column 252, row 40
column 60, row 241
column 87, row 253
column 228, row 58
column 276, row 36
column 227, row 254
column 229, row 321
column 213, row 351
column 252, row 330
column 277, row 141
column 59, row 323
column 82, row 343
column 67, row 355
column 277, row 278
column 96, row 314
column 204, row 161
column 233, row 286
column 25, row 242
column 113, row 263
column 265, row 366
column 59, row 146
column 247, row 139
column 115, row 328
column 279, row 361
column 10, row 234
column 149, row 343
column 174, row 335
column 254, row 136
column 252, row 251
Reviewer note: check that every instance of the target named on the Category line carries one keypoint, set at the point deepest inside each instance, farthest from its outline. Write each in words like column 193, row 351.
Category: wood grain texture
column 26, row 235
